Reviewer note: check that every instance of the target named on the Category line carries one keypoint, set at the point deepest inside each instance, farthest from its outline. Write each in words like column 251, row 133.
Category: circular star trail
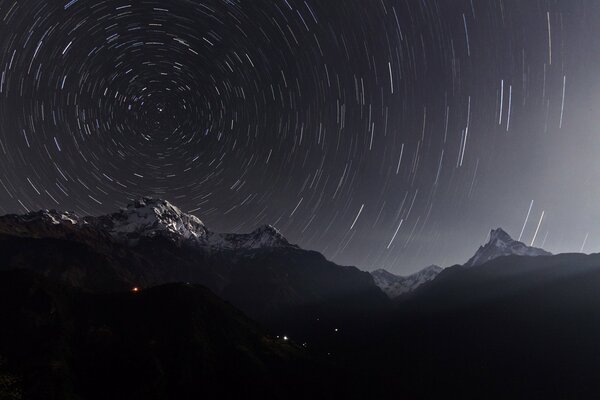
column 383, row 133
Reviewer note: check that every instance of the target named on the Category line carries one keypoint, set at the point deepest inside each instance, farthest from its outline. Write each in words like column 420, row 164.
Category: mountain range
column 499, row 244
column 151, row 242
column 148, row 302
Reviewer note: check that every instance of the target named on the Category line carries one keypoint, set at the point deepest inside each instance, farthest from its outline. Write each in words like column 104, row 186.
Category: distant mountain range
column 500, row 244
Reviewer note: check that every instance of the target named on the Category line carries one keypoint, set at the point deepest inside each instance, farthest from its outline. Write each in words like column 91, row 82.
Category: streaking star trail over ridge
column 390, row 138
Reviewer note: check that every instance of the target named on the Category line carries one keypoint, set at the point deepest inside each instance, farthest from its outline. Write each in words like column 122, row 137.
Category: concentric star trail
column 436, row 119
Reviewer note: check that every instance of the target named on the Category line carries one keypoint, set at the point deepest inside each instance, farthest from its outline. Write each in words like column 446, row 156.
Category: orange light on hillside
column 135, row 289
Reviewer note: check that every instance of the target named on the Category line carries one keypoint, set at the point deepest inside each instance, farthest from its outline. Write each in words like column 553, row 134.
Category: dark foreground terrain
column 172, row 341
column 517, row 327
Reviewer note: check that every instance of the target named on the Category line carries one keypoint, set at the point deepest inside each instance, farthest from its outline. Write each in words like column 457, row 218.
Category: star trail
column 384, row 133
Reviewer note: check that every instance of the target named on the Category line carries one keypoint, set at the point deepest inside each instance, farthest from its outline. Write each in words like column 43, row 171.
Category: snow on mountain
column 501, row 244
column 262, row 237
column 149, row 217
column 39, row 224
column 57, row 218
column 394, row 285
column 143, row 218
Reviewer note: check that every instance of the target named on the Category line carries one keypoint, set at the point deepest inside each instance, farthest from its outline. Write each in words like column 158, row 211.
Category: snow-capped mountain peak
column 141, row 219
column 501, row 244
column 394, row 285
column 149, row 217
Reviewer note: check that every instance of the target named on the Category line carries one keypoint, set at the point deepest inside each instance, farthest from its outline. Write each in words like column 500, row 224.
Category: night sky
column 384, row 133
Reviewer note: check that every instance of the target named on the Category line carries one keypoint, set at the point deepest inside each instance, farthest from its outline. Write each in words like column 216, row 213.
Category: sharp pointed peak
column 500, row 234
column 499, row 244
